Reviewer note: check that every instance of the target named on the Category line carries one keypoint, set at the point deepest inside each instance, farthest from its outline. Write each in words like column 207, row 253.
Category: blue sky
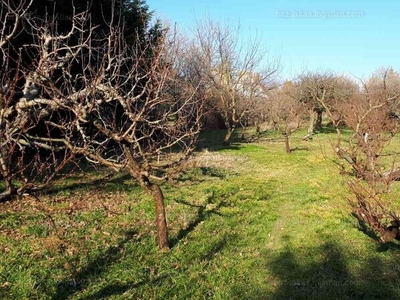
column 348, row 37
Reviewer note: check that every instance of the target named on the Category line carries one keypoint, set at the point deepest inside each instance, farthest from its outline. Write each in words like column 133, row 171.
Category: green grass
column 248, row 222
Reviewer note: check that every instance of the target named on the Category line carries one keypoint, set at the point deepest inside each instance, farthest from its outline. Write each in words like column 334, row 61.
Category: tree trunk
column 287, row 145
column 228, row 135
column 258, row 130
column 258, row 127
column 10, row 189
column 4, row 166
column 318, row 122
column 339, row 137
column 161, row 218
column 158, row 197
column 311, row 127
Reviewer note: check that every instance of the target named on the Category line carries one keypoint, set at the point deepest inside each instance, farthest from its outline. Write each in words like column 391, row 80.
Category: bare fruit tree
column 235, row 74
column 285, row 111
column 321, row 92
column 119, row 106
column 369, row 113
column 22, row 170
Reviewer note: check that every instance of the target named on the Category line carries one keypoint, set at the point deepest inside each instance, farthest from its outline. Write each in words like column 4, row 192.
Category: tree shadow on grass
column 295, row 149
column 213, row 140
column 326, row 129
column 98, row 267
column 201, row 174
column 112, row 179
column 363, row 227
column 119, row 289
column 203, row 213
column 387, row 247
column 94, row 269
column 324, row 273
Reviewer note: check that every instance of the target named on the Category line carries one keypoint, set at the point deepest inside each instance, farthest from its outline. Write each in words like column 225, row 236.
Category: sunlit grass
column 246, row 221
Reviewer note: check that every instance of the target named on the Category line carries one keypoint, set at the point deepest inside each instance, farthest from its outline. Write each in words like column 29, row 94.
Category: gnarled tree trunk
column 318, row 122
column 228, row 135
column 311, row 127
column 287, row 145
column 161, row 218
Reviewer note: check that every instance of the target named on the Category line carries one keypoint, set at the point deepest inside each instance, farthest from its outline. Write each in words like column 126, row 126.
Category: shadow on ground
column 203, row 213
column 98, row 265
column 329, row 276
column 213, row 140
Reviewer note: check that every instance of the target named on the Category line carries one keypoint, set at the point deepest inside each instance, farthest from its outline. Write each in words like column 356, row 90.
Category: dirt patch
column 215, row 160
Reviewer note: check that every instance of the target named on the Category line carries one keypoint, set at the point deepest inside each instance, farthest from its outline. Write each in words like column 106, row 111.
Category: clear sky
column 348, row 37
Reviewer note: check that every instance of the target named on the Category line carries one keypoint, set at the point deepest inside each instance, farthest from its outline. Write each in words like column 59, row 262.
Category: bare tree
column 369, row 113
column 22, row 170
column 322, row 92
column 285, row 111
column 122, row 107
column 373, row 207
column 385, row 79
column 235, row 75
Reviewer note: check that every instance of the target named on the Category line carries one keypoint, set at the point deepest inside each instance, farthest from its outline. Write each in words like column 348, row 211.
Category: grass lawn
column 246, row 222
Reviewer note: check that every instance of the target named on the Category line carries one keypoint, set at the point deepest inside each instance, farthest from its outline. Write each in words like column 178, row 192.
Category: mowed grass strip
column 246, row 222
